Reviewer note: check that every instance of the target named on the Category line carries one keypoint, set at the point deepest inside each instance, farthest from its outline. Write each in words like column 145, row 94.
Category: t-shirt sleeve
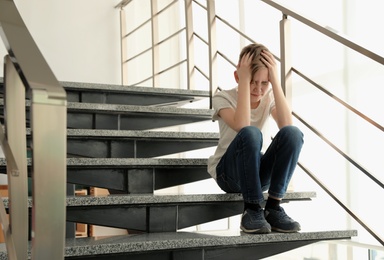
column 220, row 101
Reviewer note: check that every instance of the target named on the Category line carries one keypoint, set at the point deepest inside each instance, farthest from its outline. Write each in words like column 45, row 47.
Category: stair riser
column 143, row 99
column 147, row 218
column 134, row 181
column 115, row 148
column 128, row 121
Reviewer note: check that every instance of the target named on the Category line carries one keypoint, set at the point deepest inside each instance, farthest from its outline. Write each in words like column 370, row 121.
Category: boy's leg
column 238, row 171
column 278, row 165
column 279, row 161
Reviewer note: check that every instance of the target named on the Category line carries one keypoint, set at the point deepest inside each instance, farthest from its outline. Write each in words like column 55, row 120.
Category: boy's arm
column 241, row 116
column 281, row 112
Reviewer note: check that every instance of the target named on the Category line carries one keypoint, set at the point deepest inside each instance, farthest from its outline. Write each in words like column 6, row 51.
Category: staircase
column 116, row 140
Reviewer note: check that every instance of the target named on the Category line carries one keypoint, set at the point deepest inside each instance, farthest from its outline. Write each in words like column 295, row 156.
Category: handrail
column 26, row 71
column 326, row 31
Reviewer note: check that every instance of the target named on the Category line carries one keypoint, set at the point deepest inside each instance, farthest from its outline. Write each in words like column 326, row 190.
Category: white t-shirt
column 259, row 117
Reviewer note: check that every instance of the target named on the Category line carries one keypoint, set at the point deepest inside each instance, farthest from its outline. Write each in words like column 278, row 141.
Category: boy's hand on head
column 244, row 68
column 269, row 61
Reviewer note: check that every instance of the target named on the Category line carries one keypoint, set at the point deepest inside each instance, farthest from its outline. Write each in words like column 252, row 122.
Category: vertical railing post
column 155, row 40
column 123, row 47
column 49, row 169
column 190, row 44
column 213, row 81
column 286, row 59
column 15, row 130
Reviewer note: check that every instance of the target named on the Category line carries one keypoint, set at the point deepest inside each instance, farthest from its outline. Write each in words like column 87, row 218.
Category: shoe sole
column 285, row 231
column 263, row 230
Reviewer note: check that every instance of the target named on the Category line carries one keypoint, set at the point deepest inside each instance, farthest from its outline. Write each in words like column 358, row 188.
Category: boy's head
column 255, row 50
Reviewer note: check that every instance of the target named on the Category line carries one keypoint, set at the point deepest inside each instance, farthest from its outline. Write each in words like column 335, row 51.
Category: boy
column 238, row 164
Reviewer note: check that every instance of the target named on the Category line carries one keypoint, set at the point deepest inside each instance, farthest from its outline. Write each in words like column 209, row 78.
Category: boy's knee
column 293, row 134
column 251, row 132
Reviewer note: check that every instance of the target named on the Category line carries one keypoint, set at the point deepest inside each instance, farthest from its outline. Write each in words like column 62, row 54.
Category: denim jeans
column 245, row 169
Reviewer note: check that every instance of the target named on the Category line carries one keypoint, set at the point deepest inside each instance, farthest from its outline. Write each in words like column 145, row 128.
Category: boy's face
column 259, row 86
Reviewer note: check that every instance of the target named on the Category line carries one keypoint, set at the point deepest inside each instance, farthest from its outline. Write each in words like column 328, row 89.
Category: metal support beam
column 213, row 81
column 286, row 59
column 190, row 44
column 16, row 135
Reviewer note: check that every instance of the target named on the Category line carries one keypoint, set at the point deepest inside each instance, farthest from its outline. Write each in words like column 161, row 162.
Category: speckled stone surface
column 121, row 88
column 123, row 109
column 140, row 134
column 128, row 162
column 185, row 240
column 95, row 107
column 140, row 199
column 137, row 89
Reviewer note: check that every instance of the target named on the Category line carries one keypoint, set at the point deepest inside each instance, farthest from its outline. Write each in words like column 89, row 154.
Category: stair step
column 225, row 245
column 158, row 213
column 127, row 117
column 130, row 95
column 127, row 95
column 151, row 199
column 132, row 175
column 130, row 144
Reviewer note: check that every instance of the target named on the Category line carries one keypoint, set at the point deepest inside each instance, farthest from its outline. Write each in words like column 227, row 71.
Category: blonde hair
column 254, row 49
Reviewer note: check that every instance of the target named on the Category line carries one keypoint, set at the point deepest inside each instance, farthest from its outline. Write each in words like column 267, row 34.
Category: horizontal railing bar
column 201, row 38
column 171, row 67
column 199, row 4
column 328, row 32
column 235, row 29
column 226, row 58
column 347, row 209
column 165, row 8
column 157, row 44
column 148, row 20
column 202, row 72
column 137, row 55
column 170, row 36
column 150, row 77
column 358, row 166
column 137, row 28
column 345, row 104
column 123, row 3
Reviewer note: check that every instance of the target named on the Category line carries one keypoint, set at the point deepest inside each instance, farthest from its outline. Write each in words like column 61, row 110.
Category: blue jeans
column 245, row 169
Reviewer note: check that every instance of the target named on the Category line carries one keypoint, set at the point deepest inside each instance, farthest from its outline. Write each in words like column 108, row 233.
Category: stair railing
column 156, row 42
column 26, row 71
column 287, row 71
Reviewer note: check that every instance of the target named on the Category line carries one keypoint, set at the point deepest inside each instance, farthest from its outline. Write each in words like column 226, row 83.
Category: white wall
column 79, row 39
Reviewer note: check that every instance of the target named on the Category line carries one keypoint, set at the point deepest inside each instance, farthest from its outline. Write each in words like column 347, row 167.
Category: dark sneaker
column 253, row 221
column 280, row 221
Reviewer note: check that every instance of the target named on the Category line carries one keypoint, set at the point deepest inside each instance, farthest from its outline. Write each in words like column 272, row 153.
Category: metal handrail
column 326, row 31
column 26, row 71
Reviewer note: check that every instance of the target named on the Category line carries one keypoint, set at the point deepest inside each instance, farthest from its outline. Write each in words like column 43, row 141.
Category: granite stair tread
column 97, row 87
column 212, row 245
column 185, row 240
column 122, row 94
column 140, row 199
column 141, row 134
column 121, row 108
column 127, row 162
